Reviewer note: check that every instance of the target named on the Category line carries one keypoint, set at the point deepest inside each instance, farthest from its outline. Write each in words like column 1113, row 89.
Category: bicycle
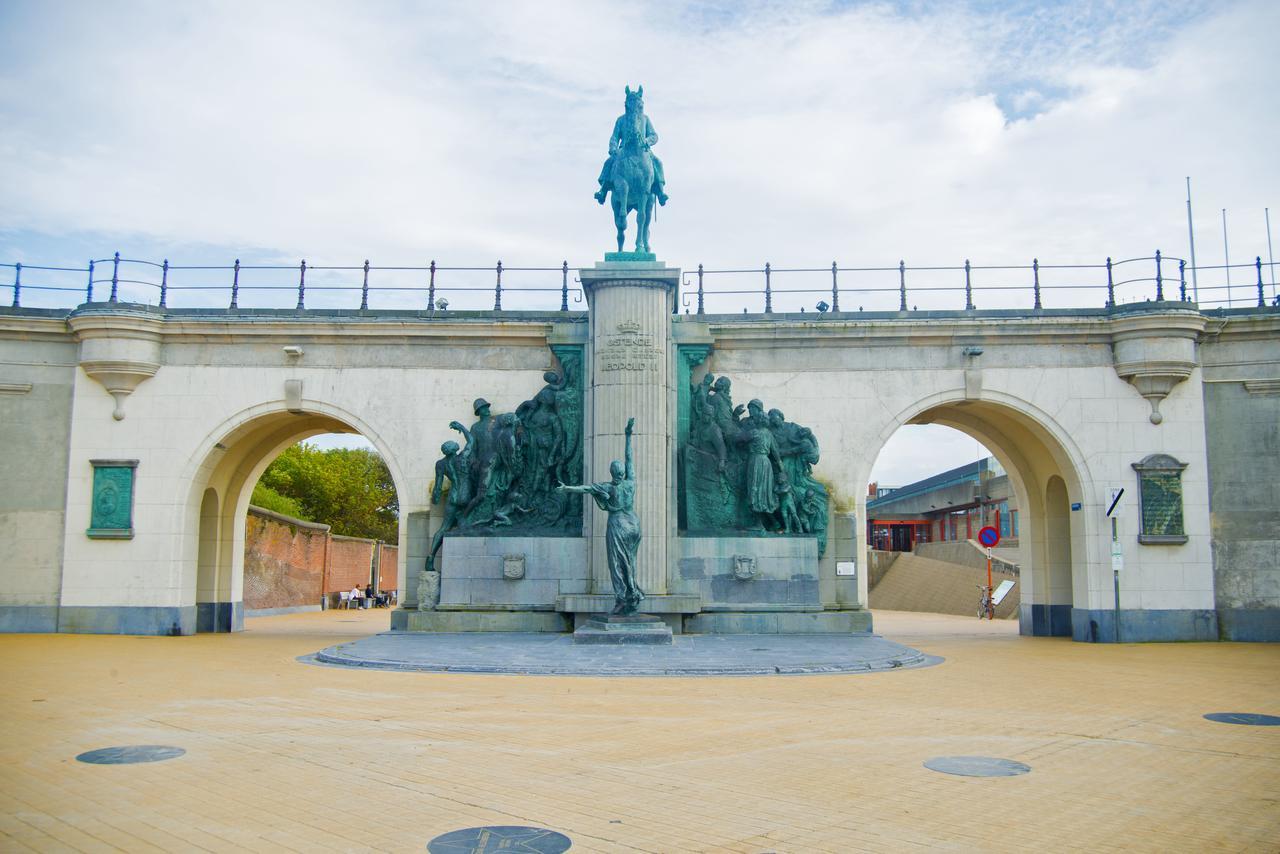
column 985, row 607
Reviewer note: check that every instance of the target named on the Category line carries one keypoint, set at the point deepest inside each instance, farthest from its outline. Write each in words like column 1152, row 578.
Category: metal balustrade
column 767, row 289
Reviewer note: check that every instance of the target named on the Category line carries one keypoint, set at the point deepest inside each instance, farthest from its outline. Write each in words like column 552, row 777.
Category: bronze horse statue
column 633, row 173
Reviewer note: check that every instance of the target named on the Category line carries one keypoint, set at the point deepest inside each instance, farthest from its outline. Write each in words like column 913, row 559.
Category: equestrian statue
column 633, row 173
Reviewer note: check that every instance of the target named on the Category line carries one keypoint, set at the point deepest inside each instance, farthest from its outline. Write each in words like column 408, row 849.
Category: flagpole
column 1191, row 234
column 1270, row 254
column 1226, row 254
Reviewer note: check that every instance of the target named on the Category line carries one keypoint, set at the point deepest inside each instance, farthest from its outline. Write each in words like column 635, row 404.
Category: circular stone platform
column 688, row 655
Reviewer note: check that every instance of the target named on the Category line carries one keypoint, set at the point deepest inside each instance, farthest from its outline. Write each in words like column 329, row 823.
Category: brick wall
column 290, row 563
column 350, row 560
column 283, row 561
column 388, row 578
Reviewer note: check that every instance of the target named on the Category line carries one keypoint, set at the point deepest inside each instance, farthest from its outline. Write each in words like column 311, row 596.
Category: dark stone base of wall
column 127, row 620
column 220, row 617
column 28, row 619
column 1141, row 626
column 1044, row 621
column 1250, row 625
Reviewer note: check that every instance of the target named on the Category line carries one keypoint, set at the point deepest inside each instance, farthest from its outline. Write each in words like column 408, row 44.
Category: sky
column 797, row 133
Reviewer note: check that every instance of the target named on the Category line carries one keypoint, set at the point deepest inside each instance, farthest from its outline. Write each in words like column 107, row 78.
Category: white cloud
column 793, row 133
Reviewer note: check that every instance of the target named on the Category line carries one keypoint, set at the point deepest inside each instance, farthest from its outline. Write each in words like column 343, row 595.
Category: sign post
column 1117, row 554
column 989, row 537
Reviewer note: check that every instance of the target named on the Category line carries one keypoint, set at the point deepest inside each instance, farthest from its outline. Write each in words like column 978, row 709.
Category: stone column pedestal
column 631, row 303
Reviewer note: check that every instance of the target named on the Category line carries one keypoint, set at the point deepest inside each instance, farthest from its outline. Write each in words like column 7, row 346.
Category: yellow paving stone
column 287, row 756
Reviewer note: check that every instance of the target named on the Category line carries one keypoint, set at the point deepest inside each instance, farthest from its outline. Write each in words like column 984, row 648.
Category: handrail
column 1036, row 286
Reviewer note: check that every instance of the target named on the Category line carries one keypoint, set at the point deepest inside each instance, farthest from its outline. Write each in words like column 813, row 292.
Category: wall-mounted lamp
column 972, row 351
column 293, row 351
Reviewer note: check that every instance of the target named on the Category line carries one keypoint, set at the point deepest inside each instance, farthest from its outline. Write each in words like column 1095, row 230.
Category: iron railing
column 767, row 289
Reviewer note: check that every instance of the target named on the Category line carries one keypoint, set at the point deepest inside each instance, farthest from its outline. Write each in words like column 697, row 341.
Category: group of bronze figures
column 749, row 473
column 503, row 478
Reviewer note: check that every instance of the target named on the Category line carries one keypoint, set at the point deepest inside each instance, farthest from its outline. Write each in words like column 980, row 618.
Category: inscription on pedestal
column 629, row 349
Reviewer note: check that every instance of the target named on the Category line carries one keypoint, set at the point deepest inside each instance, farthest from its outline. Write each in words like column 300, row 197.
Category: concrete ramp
column 915, row 583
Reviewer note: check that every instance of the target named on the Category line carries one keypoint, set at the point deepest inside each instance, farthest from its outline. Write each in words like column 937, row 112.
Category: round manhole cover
column 976, row 766
column 508, row 840
column 1243, row 718
column 131, row 754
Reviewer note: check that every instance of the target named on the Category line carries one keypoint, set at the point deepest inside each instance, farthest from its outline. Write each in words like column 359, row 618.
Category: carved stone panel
column 513, row 567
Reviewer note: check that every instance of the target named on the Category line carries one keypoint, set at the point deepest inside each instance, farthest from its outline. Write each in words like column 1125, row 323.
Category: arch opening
column 219, row 494
column 1026, row 488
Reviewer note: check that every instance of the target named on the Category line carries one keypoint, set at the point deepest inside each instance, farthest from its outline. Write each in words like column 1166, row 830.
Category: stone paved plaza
column 282, row 755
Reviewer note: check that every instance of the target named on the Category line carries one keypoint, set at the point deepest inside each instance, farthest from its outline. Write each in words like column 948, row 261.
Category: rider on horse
column 634, row 105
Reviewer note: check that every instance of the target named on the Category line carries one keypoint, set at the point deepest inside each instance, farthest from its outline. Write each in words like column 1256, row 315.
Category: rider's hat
column 479, row 404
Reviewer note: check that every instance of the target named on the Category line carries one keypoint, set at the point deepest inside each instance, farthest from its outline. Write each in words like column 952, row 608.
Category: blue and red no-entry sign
column 989, row 536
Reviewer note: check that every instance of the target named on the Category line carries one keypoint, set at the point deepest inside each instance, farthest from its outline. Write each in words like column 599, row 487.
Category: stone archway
column 1047, row 475
column 232, row 459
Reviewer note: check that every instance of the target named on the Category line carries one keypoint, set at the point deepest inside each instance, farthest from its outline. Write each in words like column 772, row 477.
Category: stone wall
column 1244, row 508
column 291, row 564
column 36, row 380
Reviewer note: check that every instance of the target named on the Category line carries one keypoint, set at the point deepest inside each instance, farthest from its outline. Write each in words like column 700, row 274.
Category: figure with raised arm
column 622, row 534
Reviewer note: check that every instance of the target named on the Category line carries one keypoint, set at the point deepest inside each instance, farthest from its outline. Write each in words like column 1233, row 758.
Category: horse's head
column 635, row 100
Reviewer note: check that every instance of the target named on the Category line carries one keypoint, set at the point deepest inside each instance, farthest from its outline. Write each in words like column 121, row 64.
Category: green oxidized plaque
column 111, row 513
column 1160, row 500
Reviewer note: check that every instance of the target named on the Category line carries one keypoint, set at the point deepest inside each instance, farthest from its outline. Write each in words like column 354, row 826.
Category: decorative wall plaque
column 1160, row 500
column 513, row 567
column 111, row 515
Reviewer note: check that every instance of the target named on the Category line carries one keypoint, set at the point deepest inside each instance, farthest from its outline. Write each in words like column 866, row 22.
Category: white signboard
column 846, row 568
column 1002, row 591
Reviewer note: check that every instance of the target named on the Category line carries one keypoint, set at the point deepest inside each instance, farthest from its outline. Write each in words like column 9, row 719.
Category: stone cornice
column 888, row 332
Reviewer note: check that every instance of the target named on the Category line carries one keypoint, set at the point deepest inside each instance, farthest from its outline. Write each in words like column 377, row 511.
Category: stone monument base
column 778, row 622
column 629, row 629
column 479, row 620
column 669, row 608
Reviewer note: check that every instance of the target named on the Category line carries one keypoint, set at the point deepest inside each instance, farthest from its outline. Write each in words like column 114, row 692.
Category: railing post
column 164, row 284
column 1111, row 288
column 88, row 291
column 1035, row 269
column 364, row 288
column 497, row 290
column 699, row 289
column 302, row 284
column 968, row 287
column 1257, row 262
column 1159, row 280
column 902, row 285
column 1182, row 281
column 768, row 289
column 564, row 286
column 235, row 285
column 115, row 278
column 17, row 284
column 835, row 289
column 431, row 288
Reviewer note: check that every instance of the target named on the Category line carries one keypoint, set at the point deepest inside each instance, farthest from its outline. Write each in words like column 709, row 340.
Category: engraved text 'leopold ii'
column 629, row 349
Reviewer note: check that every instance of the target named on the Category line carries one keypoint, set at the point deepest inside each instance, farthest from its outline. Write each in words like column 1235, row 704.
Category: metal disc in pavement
column 976, row 766
column 1243, row 718
column 508, row 840
column 130, row 754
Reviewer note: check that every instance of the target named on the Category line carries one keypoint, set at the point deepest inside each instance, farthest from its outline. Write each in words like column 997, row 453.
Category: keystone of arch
column 119, row 348
column 1156, row 351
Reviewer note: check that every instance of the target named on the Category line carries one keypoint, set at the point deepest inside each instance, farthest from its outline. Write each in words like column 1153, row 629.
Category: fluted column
column 631, row 366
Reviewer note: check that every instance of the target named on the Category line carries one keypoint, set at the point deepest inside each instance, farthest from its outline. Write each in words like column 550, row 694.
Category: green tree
column 349, row 489
column 268, row 499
